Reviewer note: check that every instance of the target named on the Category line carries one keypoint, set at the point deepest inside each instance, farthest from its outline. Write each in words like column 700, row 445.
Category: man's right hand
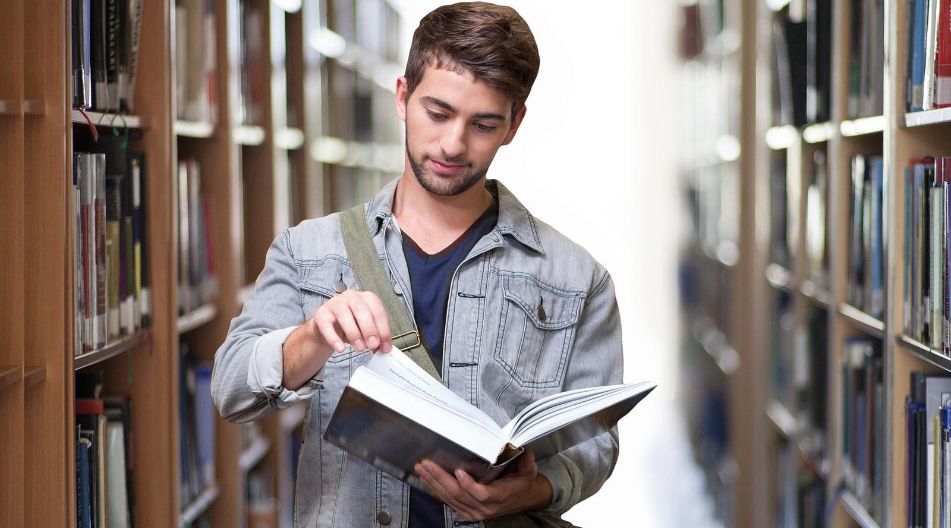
column 353, row 317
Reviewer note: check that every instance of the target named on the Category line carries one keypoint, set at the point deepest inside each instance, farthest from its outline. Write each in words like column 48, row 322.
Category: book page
column 553, row 417
column 482, row 439
column 400, row 370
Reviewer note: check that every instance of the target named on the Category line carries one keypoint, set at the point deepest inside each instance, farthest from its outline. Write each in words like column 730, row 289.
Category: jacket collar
column 514, row 219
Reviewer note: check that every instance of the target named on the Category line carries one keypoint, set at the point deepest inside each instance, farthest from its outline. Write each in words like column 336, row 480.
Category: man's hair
column 491, row 42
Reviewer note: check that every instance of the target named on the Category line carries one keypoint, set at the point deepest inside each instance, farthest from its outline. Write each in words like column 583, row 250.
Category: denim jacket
column 529, row 314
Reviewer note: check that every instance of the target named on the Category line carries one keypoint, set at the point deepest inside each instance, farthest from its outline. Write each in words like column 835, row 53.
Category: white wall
column 594, row 158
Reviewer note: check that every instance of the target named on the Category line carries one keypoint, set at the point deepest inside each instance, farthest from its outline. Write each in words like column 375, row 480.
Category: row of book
column 926, row 303
column 801, row 497
column 866, row 93
column 196, row 90
column 928, row 425
column 195, row 236
column 817, row 220
column 110, row 259
column 863, row 420
column 261, row 503
column 105, row 53
column 798, row 366
column 802, row 68
column 104, row 462
column 866, row 273
column 197, row 417
column 252, row 53
column 928, row 60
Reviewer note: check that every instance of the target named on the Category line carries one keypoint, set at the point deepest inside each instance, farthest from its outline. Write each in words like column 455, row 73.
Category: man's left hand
column 520, row 491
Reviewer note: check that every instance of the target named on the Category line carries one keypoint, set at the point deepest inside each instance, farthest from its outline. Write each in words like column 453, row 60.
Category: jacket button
column 396, row 289
column 384, row 518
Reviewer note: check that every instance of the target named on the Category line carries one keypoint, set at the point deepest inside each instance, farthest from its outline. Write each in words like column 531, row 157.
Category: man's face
column 454, row 127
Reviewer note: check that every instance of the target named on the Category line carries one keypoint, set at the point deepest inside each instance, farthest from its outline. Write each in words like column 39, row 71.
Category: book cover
column 392, row 415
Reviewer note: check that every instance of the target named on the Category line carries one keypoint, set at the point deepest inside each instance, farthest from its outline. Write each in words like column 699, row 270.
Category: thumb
column 526, row 464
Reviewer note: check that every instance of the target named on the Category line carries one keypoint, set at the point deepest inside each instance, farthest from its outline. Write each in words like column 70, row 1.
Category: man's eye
column 482, row 127
column 436, row 116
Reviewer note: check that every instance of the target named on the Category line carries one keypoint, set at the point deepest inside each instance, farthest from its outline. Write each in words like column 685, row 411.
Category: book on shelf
column 197, row 417
column 817, row 242
column 779, row 209
column 809, row 378
column 866, row 277
column 863, row 412
column 926, row 301
column 252, row 56
column 800, row 499
column 195, row 235
column 928, row 422
column 866, row 79
column 105, row 53
column 801, row 64
column 104, row 493
column 196, row 90
column 108, row 251
column 416, row 417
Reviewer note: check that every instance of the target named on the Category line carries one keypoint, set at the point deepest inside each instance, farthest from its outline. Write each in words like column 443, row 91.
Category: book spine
column 931, row 44
column 98, row 47
column 113, row 207
column 942, row 61
column 100, row 251
column 918, row 48
column 133, row 35
column 210, row 74
column 114, row 47
column 877, row 305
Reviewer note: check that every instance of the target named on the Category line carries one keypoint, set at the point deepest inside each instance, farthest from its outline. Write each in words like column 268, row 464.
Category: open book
column 392, row 414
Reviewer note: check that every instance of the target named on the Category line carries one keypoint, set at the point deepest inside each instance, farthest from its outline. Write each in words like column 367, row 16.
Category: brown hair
column 491, row 42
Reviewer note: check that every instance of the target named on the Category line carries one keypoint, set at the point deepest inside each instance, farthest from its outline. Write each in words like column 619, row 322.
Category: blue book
column 205, row 423
column 83, row 497
column 877, row 304
column 917, row 44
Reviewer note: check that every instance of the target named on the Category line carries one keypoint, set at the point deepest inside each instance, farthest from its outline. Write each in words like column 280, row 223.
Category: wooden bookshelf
column 259, row 179
column 896, row 135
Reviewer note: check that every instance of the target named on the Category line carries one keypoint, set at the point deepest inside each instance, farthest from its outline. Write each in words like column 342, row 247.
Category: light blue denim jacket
column 500, row 353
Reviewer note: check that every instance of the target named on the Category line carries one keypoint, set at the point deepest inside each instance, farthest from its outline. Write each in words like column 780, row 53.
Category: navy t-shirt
column 430, row 277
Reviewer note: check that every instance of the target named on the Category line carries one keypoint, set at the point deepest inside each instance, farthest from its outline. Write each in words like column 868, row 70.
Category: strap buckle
column 417, row 344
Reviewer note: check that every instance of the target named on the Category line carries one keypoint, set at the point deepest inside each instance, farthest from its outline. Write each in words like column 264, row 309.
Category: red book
column 942, row 59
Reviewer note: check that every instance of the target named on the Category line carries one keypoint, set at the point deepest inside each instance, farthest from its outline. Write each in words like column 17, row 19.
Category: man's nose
column 453, row 143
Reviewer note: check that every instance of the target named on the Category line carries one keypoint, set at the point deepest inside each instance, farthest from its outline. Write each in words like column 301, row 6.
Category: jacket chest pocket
column 319, row 282
column 536, row 330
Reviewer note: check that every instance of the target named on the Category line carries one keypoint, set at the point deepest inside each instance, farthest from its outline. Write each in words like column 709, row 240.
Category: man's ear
column 516, row 122
column 402, row 95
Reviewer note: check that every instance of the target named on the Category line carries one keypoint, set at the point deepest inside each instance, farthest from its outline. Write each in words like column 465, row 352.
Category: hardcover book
column 393, row 415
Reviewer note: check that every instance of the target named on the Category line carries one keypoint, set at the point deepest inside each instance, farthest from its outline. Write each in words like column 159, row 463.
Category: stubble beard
column 442, row 186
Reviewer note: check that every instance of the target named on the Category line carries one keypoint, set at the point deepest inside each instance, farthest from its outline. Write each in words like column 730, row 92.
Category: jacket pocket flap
column 326, row 276
column 548, row 308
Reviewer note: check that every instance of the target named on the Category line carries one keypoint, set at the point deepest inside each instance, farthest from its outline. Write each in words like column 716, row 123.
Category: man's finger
column 365, row 319
column 382, row 320
column 479, row 492
column 450, row 486
column 324, row 322
column 344, row 317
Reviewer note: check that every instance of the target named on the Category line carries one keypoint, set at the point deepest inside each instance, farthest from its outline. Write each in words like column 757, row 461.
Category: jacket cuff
column 266, row 371
column 556, row 470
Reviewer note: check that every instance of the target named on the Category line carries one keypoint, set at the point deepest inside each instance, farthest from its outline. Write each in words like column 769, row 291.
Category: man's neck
column 434, row 221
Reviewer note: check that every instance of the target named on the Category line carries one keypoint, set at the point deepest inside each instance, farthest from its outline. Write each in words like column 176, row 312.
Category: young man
column 509, row 310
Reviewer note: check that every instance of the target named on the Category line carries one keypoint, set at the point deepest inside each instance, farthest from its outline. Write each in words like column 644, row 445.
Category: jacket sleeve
column 577, row 473
column 247, row 379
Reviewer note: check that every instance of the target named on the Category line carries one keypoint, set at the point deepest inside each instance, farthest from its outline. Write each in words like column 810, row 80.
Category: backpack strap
column 372, row 277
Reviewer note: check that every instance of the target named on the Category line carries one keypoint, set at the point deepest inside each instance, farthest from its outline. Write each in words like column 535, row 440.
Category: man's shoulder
column 564, row 258
column 315, row 236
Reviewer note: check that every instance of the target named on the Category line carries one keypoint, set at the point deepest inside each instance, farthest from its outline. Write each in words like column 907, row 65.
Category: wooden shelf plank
column 863, row 126
column 194, row 510
column 929, row 117
column 9, row 375
column 249, row 136
column 781, row 419
column 923, row 351
column 715, row 343
column 862, row 321
column 781, row 137
column 289, row 138
column 818, row 295
column 194, row 129
column 819, row 133
column 779, row 277
column 110, row 350
column 798, row 435
column 197, row 317
column 110, row 120
column 254, row 453
column 34, row 376
column 293, row 417
column 10, row 108
column 856, row 511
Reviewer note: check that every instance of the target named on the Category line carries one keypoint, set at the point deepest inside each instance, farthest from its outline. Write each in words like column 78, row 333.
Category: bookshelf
column 257, row 178
column 815, row 309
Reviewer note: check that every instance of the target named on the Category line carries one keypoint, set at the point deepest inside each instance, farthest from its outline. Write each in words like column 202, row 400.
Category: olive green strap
column 372, row 277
